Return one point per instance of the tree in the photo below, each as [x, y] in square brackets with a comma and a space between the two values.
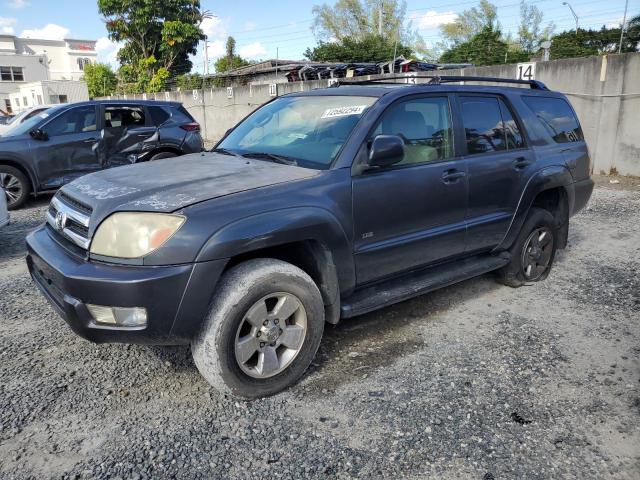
[471, 23]
[231, 60]
[583, 43]
[531, 33]
[100, 78]
[158, 36]
[358, 20]
[484, 48]
[371, 48]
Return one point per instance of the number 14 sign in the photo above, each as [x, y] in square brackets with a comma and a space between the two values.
[526, 71]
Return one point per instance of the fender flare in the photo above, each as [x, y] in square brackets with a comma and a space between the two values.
[553, 176]
[283, 226]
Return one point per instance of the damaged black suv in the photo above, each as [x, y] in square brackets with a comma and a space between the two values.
[320, 205]
[64, 142]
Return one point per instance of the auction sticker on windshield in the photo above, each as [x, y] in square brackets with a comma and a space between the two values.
[343, 111]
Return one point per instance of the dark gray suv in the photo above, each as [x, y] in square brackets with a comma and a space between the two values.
[319, 206]
[64, 142]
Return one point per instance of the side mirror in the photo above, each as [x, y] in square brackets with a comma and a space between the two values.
[39, 134]
[386, 150]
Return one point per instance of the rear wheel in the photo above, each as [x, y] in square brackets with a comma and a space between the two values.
[263, 329]
[534, 250]
[16, 186]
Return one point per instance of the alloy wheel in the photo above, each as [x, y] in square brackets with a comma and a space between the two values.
[537, 252]
[271, 335]
[12, 187]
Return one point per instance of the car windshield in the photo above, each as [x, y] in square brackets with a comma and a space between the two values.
[308, 131]
[31, 123]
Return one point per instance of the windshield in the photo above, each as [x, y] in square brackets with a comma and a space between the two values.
[308, 131]
[18, 128]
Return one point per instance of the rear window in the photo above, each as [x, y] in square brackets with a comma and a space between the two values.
[557, 117]
[180, 115]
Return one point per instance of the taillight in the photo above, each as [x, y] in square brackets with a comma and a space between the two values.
[191, 127]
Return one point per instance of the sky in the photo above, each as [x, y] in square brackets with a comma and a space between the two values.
[264, 29]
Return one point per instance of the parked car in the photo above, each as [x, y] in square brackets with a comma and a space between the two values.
[320, 205]
[4, 213]
[4, 119]
[58, 145]
[21, 117]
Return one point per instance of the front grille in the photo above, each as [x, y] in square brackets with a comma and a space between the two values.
[70, 218]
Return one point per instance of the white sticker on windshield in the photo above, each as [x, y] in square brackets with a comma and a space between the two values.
[343, 111]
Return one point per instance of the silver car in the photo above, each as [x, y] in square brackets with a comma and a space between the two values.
[4, 213]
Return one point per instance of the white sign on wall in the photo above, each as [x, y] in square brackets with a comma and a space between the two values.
[273, 90]
[196, 95]
[331, 81]
[229, 92]
[526, 71]
[167, 96]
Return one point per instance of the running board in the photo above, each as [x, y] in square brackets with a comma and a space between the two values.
[419, 282]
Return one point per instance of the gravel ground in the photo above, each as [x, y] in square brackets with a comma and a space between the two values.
[473, 381]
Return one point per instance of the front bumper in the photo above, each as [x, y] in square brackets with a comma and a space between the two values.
[176, 297]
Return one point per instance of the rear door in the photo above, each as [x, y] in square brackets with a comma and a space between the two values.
[71, 149]
[128, 133]
[497, 155]
[411, 214]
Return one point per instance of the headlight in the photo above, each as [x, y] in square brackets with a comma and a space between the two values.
[134, 234]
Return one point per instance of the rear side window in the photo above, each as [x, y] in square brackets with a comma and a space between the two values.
[489, 125]
[123, 116]
[557, 117]
[159, 115]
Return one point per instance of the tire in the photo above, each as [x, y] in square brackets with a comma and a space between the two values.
[161, 155]
[526, 252]
[16, 186]
[219, 348]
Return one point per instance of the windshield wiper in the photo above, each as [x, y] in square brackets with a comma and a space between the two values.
[270, 156]
[224, 151]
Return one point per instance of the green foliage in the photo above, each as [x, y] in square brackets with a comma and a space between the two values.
[231, 60]
[100, 78]
[471, 23]
[145, 76]
[531, 33]
[584, 43]
[359, 20]
[484, 48]
[371, 48]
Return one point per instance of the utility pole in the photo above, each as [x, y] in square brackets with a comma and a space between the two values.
[277, 58]
[380, 17]
[624, 24]
[206, 55]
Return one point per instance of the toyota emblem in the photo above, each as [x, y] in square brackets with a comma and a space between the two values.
[61, 220]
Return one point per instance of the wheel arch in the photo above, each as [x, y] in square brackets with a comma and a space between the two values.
[549, 188]
[24, 169]
[309, 237]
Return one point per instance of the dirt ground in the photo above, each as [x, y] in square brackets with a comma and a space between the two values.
[474, 381]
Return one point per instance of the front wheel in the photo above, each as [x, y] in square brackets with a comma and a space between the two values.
[534, 250]
[16, 186]
[263, 329]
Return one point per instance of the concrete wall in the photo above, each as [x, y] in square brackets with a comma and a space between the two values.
[605, 92]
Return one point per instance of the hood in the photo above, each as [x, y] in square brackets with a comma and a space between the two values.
[170, 184]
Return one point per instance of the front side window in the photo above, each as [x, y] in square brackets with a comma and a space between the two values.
[424, 124]
[73, 121]
[309, 130]
[123, 116]
[557, 118]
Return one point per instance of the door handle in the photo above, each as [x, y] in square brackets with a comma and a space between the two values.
[452, 175]
[521, 163]
[90, 140]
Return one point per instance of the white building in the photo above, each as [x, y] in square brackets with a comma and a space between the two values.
[37, 62]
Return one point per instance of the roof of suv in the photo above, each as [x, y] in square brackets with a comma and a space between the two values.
[124, 102]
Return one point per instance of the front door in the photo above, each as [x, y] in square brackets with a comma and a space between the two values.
[412, 213]
[71, 147]
[128, 132]
[496, 157]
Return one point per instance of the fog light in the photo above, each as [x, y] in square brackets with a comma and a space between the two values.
[119, 316]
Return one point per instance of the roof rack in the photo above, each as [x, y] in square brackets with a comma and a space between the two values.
[440, 79]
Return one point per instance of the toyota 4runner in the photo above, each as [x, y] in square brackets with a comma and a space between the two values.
[318, 206]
